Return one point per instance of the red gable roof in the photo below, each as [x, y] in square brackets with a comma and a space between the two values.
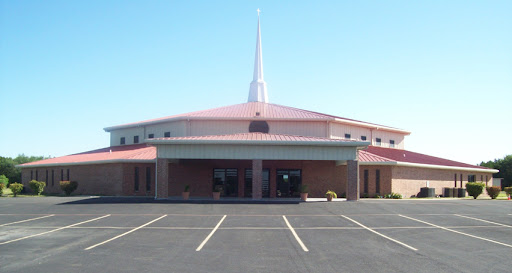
[256, 136]
[253, 110]
[397, 155]
[127, 153]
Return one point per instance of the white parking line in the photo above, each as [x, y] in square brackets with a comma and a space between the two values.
[211, 234]
[380, 234]
[455, 231]
[482, 220]
[22, 221]
[295, 235]
[53, 230]
[128, 232]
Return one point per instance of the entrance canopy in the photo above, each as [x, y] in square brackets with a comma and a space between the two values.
[257, 146]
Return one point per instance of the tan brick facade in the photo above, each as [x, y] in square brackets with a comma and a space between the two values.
[408, 180]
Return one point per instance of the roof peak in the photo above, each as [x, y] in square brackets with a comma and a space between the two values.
[258, 87]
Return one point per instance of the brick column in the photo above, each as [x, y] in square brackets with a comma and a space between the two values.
[352, 180]
[162, 176]
[241, 182]
[257, 178]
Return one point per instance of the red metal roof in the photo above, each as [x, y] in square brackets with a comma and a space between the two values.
[256, 137]
[380, 154]
[113, 154]
[252, 110]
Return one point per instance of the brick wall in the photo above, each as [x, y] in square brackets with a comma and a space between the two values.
[103, 179]
[408, 180]
[385, 180]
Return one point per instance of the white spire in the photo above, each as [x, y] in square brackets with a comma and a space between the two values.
[258, 89]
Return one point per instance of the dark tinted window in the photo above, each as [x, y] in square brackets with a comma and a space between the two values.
[258, 126]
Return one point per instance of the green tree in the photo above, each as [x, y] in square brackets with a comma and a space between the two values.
[4, 180]
[8, 166]
[505, 169]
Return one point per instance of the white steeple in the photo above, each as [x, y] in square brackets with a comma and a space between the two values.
[258, 89]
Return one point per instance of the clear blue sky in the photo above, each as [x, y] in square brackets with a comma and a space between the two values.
[440, 69]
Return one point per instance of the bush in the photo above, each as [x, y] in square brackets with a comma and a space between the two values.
[508, 190]
[393, 196]
[2, 188]
[4, 180]
[475, 188]
[16, 188]
[68, 186]
[493, 191]
[37, 186]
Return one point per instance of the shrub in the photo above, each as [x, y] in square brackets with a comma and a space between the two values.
[4, 180]
[68, 186]
[493, 191]
[475, 188]
[16, 188]
[508, 190]
[2, 188]
[37, 186]
[393, 196]
[187, 188]
[304, 188]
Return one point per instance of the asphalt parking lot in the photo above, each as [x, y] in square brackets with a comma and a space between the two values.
[59, 234]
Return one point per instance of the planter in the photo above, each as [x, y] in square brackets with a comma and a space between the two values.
[329, 197]
[216, 195]
[185, 195]
[304, 196]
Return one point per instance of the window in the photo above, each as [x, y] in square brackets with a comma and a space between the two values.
[482, 178]
[61, 174]
[455, 180]
[136, 179]
[53, 177]
[46, 180]
[258, 126]
[31, 175]
[378, 141]
[377, 181]
[167, 134]
[363, 138]
[136, 139]
[461, 180]
[67, 171]
[365, 181]
[471, 178]
[347, 136]
[392, 144]
[37, 176]
[123, 141]
[227, 180]
[148, 178]
[151, 136]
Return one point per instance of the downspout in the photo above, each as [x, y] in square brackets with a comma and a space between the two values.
[156, 173]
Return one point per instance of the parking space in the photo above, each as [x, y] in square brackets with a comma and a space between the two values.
[308, 242]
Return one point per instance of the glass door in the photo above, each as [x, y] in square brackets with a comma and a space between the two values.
[288, 183]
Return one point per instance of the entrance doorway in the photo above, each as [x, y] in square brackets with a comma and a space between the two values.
[288, 183]
[265, 175]
[227, 181]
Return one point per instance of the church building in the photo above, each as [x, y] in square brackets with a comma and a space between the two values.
[255, 150]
